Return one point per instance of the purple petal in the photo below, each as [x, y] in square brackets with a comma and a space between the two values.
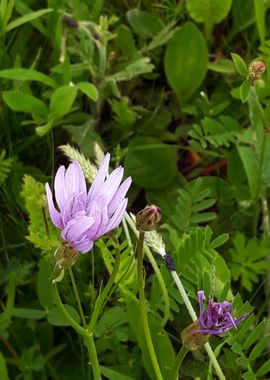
[60, 187]
[117, 217]
[112, 183]
[54, 214]
[74, 179]
[76, 228]
[84, 246]
[100, 178]
[119, 195]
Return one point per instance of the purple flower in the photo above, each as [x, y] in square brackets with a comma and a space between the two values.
[217, 318]
[85, 216]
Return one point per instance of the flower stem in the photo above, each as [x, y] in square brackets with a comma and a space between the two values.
[143, 311]
[214, 361]
[178, 361]
[88, 337]
[77, 296]
[102, 298]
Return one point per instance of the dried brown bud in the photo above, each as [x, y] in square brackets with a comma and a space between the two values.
[148, 218]
[256, 69]
[193, 339]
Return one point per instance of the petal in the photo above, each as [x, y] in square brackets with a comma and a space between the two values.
[60, 187]
[54, 214]
[119, 195]
[76, 228]
[112, 183]
[74, 179]
[84, 246]
[117, 217]
[100, 178]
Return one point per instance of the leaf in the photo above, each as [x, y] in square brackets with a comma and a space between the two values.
[28, 313]
[150, 163]
[42, 233]
[62, 100]
[27, 74]
[244, 91]
[223, 66]
[240, 65]
[145, 24]
[206, 10]
[23, 102]
[265, 368]
[56, 318]
[186, 60]
[44, 285]
[5, 166]
[260, 19]
[3, 368]
[89, 90]
[162, 37]
[250, 163]
[132, 70]
[190, 207]
[113, 374]
[27, 18]
[258, 349]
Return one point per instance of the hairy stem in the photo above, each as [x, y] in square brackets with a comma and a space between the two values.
[178, 361]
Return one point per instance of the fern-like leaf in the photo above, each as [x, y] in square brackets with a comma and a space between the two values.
[220, 132]
[5, 166]
[191, 205]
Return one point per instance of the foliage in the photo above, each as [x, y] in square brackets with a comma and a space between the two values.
[166, 88]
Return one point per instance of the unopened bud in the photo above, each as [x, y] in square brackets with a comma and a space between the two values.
[148, 218]
[65, 256]
[192, 338]
[256, 69]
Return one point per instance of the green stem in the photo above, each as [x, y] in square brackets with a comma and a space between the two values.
[77, 296]
[178, 361]
[91, 348]
[143, 311]
[102, 298]
[160, 279]
[88, 337]
[214, 361]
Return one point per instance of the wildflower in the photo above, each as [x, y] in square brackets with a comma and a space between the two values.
[148, 218]
[215, 320]
[85, 216]
[256, 70]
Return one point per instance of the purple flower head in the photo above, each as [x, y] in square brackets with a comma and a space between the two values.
[85, 216]
[217, 318]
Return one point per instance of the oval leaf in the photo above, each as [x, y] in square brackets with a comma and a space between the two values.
[62, 100]
[145, 24]
[23, 102]
[27, 74]
[89, 90]
[186, 61]
[205, 10]
[151, 163]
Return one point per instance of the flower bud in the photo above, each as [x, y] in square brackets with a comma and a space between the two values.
[192, 338]
[148, 218]
[65, 256]
[256, 69]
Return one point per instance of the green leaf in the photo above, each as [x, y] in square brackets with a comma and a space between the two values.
[244, 91]
[208, 10]
[223, 66]
[23, 102]
[186, 60]
[250, 163]
[62, 100]
[5, 166]
[258, 349]
[265, 368]
[44, 285]
[132, 70]
[56, 318]
[220, 240]
[112, 374]
[28, 313]
[89, 90]
[145, 24]
[260, 19]
[3, 368]
[240, 65]
[150, 163]
[26, 18]
[27, 74]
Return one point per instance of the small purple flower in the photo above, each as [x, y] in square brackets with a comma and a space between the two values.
[85, 216]
[217, 318]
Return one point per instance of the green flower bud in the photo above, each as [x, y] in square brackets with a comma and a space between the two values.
[148, 218]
